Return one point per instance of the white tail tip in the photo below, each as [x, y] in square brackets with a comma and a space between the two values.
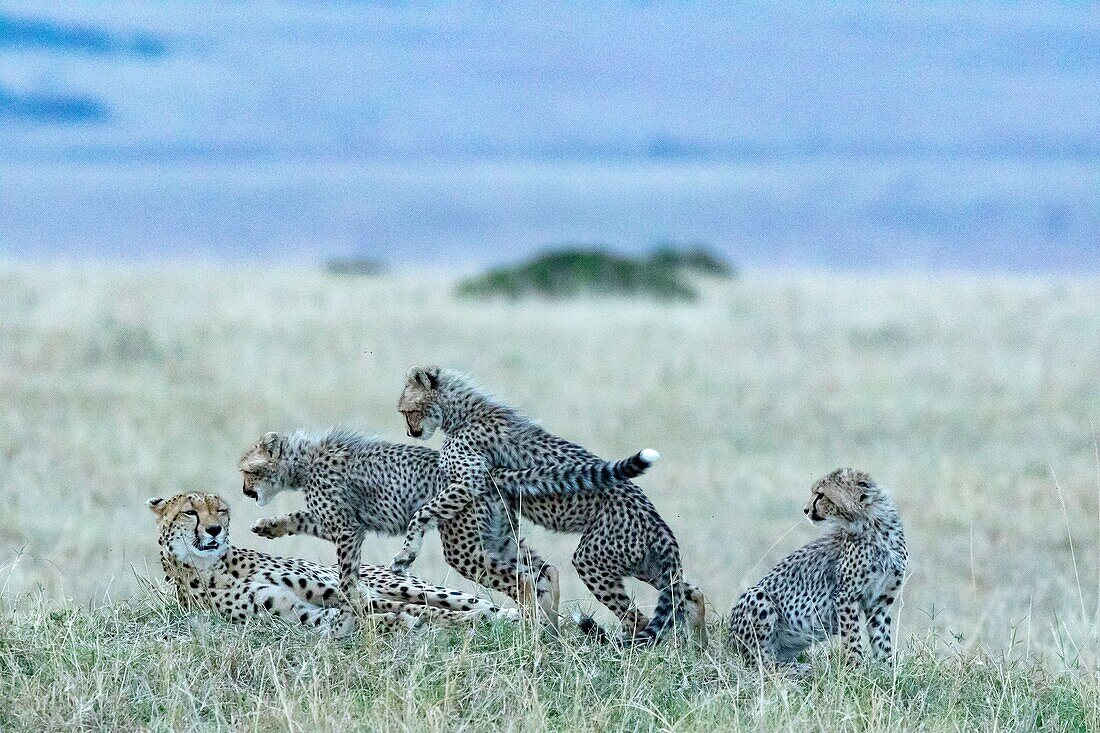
[649, 455]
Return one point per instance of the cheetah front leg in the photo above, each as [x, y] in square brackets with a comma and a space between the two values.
[349, 551]
[303, 523]
[847, 616]
[879, 623]
[442, 508]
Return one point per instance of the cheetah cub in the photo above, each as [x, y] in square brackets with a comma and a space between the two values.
[821, 589]
[622, 535]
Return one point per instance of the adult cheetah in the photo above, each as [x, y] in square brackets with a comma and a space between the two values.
[238, 584]
[622, 535]
[821, 589]
[354, 484]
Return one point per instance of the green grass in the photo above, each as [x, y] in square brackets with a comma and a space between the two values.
[974, 399]
[144, 665]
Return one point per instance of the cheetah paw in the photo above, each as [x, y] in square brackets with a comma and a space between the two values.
[798, 670]
[269, 528]
[510, 614]
[337, 624]
[401, 562]
[409, 621]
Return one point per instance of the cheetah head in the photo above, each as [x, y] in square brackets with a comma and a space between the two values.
[194, 528]
[846, 496]
[263, 470]
[420, 402]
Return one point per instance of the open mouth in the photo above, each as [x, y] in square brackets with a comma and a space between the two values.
[413, 432]
[207, 546]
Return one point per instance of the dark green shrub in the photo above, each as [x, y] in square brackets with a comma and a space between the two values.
[572, 272]
[581, 270]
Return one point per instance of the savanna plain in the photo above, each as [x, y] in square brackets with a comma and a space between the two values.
[976, 400]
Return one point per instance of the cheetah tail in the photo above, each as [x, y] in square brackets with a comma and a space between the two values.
[571, 478]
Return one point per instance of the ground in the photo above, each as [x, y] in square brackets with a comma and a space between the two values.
[976, 400]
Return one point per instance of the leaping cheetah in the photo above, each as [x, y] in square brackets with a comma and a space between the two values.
[621, 532]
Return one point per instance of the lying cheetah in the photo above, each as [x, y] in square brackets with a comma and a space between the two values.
[238, 584]
[621, 533]
[820, 590]
[353, 485]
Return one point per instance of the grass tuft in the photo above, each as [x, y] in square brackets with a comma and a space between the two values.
[145, 665]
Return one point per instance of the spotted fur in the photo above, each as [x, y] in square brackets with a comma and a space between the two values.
[822, 589]
[238, 584]
[354, 484]
[622, 535]
[561, 478]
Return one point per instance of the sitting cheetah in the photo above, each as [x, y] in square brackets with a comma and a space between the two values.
[238, 584]
[820, 590]
[621, 533]
[354, 484]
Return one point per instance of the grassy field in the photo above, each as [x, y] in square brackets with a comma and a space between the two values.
[977, 400]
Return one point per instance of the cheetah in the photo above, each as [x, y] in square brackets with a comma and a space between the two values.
[354, 484]
[239, 584]
[622, 535]
[820, 590]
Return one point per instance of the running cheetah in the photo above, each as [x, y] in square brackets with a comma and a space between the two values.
[820, 590]
[239, 584]
[355, 484]
[621, 532]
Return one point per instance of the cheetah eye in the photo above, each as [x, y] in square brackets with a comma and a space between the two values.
[190, 512]
[863, 484]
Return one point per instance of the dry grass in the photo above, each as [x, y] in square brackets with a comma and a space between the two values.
[975, 399]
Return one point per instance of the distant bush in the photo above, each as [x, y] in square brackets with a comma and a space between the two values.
[355, 266]
[694, 258]
[577, 271]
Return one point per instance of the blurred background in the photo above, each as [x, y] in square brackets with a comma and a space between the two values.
[843, 135]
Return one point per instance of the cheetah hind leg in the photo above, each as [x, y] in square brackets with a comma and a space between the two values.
[695, 611]
[607, 586]
[548, 595]
[752, 629]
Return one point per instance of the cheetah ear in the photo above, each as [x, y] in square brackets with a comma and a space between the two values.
[426, 377]
[273, 444]
[157, 505]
